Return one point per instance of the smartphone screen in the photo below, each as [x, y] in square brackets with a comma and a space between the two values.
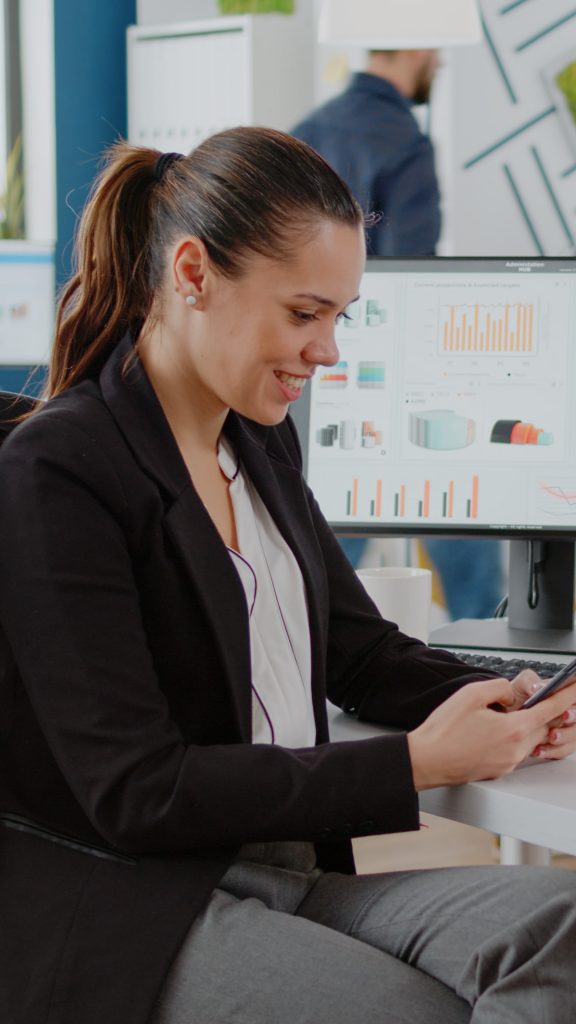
[567, 674]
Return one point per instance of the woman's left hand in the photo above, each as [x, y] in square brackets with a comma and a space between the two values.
[561, 740]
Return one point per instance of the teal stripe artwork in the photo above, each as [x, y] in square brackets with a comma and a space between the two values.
[523, 210]
[499, 63]
[552, 194]
[508, 138]
[518, 135]
[545, 32]
[513, 6]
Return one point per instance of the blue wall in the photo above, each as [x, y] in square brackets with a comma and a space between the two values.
[90, 110]
[90, 101]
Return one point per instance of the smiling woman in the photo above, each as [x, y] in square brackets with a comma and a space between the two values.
[175, 612]
[269, 271]
[272, 333]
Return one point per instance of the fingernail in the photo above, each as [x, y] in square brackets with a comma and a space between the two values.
[570, 715]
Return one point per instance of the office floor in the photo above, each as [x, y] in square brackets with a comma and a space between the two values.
[439, 843]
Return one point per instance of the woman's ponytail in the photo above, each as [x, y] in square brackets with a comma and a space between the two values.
[110, 290]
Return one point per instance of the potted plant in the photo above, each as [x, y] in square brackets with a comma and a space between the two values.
[256, 6]
[12, 199]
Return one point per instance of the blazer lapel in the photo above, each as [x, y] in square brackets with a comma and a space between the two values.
[133, 403]
[220, 590]
[139, 416]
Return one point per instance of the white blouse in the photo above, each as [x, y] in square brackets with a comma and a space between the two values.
[279, 631]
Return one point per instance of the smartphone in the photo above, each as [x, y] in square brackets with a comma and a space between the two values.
[567, 674]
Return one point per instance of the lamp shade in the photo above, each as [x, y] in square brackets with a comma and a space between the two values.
[399, 24]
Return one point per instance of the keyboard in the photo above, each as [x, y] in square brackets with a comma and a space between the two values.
[508, 668]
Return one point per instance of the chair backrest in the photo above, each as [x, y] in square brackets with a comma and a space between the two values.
[11, 407]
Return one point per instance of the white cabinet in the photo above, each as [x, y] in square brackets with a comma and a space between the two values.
[191, 79]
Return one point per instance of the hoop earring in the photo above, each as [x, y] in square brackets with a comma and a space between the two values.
[191, 300]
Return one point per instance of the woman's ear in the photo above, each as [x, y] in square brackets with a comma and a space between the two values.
[189, 270]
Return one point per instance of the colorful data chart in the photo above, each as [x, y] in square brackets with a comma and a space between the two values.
[346, 433]
[411, 502]
[371, 375]
[424, 502]
[441, 430]
[507, 329]
[517, 432]
[342, 435]
[335, 377]
[376, 315]
[327, 436]
[370, 437]
[558, 500]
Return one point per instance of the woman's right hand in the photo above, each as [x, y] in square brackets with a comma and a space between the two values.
[465, 739]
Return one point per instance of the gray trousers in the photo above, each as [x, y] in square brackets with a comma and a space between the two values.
[282, 943]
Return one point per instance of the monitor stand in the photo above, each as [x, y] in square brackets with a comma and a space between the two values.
[540, 605]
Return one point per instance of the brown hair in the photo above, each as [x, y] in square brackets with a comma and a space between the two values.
[244, 191]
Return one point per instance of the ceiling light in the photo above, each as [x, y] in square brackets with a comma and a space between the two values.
[399, 24]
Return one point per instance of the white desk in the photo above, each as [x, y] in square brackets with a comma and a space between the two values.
[534, 805]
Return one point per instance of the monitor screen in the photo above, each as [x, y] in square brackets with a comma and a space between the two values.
[450, 409]
[26, 302]
[451, 412]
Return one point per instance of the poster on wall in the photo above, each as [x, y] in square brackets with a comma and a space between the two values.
[26, 302]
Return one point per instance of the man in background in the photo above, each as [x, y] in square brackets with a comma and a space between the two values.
[370, 135]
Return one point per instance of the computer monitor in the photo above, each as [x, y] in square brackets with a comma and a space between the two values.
[451, 413]
[26, 314]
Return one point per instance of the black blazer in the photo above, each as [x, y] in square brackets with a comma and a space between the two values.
[127, 775]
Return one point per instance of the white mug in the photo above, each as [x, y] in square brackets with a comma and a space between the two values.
[402, 595]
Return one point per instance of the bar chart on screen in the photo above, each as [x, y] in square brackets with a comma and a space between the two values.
[454, 325]
[503, 329]
[367, 496]
[446, 500]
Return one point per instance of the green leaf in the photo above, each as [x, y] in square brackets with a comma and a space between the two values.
[12, 200]
[256, 6]
[566, 82]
